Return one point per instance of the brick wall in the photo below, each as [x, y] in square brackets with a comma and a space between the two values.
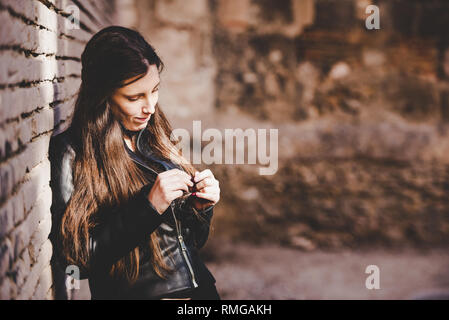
[40, 69]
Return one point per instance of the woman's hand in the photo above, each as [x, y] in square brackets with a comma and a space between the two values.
[168, 186]
[207, 190]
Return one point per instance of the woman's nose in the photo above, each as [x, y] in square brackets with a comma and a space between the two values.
[150, 105]
[148, 108]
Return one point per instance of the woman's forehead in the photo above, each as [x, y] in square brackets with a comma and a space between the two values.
[142, 84]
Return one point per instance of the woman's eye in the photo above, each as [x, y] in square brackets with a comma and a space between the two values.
[133, 99]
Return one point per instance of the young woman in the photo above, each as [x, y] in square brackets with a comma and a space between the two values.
[128, 210]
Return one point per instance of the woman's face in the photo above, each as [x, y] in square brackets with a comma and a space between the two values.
[134, 103]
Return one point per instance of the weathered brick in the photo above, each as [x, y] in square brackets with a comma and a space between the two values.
[43, 121]
[17, 208]
[38, 181]
[18, 101]
[6, 219]
[35, 210]
[43, 16]
[68, 67]
[39, 80]
[43, 229]
[19, 133]
[5, 289]
[14, 171]
[21, 269]
[8, 179]
[50, 295]
[64, 110]
[44, 284]
[34, 11]
[64, 5]
[20, 68]
[70, 47]
[29, 37]
[6, 250]
[26, 291]
[95, 11]
[17, 68]
[13, 289]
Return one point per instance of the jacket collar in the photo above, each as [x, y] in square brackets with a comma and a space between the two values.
[142, 144]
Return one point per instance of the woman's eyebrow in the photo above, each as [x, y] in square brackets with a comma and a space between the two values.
[141, 93]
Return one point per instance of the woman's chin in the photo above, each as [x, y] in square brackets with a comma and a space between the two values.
[140, 125]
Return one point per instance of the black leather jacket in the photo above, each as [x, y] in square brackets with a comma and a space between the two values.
[121, 229]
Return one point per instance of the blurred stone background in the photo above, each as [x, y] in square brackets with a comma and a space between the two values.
[362, 114]
[363, 135]
[362, 118]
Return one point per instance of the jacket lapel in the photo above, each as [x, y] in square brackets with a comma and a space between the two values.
[143, 146]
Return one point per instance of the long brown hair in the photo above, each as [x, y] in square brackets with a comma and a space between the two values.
[103, 172]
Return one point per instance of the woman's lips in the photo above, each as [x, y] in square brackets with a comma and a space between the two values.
[142, 119]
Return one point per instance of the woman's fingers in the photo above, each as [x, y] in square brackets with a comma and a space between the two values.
[214, 197]
[203, 174]
[176, 182]
[180, 185]
[205, 178]
[207, 182]
[179, 178]
[185, 179]
[176, 194]
[177, 174]
[211, 189]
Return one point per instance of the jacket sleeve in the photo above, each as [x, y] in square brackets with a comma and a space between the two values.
[199, 226]
[119, 229]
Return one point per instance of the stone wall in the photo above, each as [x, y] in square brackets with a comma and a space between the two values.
[40, 70]
[362, 114]
[181, 33]
[278, 75]
[362, 118]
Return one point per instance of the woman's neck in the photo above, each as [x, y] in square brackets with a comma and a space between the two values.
[129, 137]
[130, 142]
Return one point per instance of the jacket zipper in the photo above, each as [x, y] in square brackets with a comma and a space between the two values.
[183, 247]
[178, 232]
